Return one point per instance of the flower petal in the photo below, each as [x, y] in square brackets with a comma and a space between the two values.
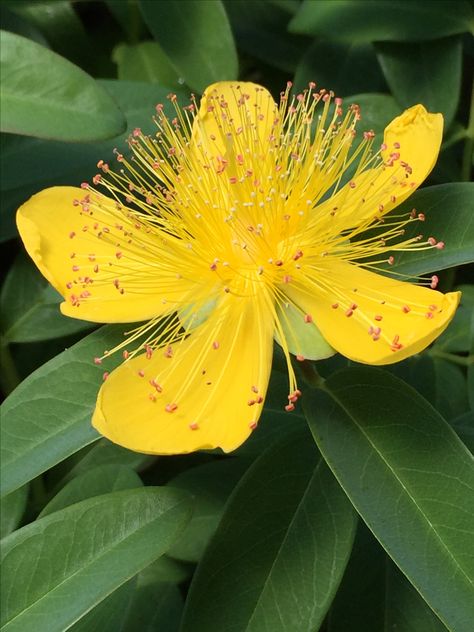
[415, 137]
[246, 104]
[204, 392]
[107, 268]
[371, 318]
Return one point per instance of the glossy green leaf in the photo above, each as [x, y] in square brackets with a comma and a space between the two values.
[425, 72]
[439, 381]
[110, 614]
[405, 609]
[99, 480]
[449, 218]
[156, 605]
[377, 111]
[451, 381]
[47, 417]
[12, 508]
[409, 477]
[29, 307]
[280, 549]
[210, 485]
[147, 62]
[261, 31]
[366, 21]
[76, 162]
[67, 103]
[343, 68]
[464, 428]
[72, 163]
[60, 24]
[71, 560]
[197, 38]
[459, 337]
[104, 452]
[13, 23]
[128, 15]
[359, 604]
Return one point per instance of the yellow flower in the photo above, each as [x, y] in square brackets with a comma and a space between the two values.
[229, 228]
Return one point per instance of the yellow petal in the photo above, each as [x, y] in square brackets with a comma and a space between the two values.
[370, 318]
[416, 137]
[247, 104]
[106, 271]
[212, 387]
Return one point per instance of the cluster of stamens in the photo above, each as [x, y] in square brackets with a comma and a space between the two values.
[247, 209]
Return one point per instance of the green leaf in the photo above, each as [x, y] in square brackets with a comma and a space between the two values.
[425, 72]
[363, 21]
[210, 485]
[13, 23]
[460, 333]
[71, 163]
[359, 604]
[377, 111]
[110, 614]
[59, 23]
[12, 508]
[30, 307]
[440, 382]
[261, 31]
[47, 417]
[409, 477]
[145, 61]
[104, 452]
[464, 428]
[405, 609]
[67, 103]
[156, 605]
[285, 537]
[343, 68]
[196, 37]
[451, 382]
[21, 155]
[449, 218]
[95, 482]
[68, 562]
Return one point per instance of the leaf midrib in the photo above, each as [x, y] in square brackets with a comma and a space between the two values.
[87, 566]
[396, 477]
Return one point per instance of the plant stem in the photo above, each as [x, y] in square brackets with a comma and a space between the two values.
[311, 375]
[451, 357]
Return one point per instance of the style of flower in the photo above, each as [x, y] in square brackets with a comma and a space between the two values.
[238, 223]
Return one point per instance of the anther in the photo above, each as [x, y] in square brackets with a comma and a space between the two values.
[289, 408]
[308, 318]
[405, 309]
[215, 344]
[434, 282]
[105, 375]
[194, 426]
[378, 317]
[141, 373]
[170, 408]
[97, 361]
